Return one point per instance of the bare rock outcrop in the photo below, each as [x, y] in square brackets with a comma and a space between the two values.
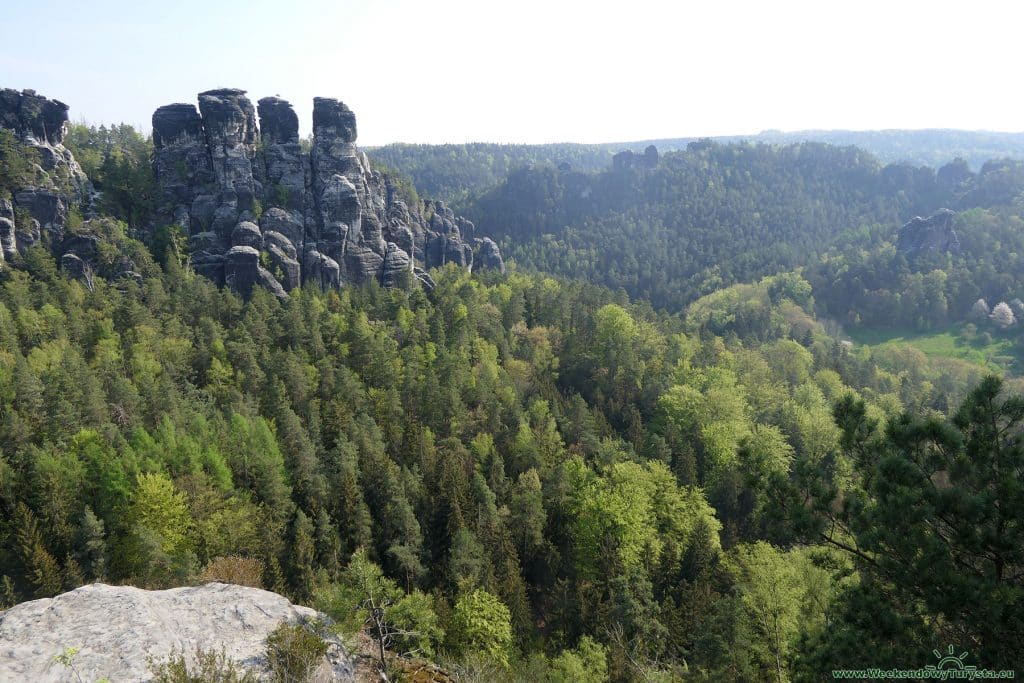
[320, 215]
[923, 235]
[42, 206]
[118, 629]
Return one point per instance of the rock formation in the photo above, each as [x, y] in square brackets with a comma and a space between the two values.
[623, 160]
[39, 210]
[260, 209]
[627, 159]
[119, 628]
[935, 233]
[651, 156]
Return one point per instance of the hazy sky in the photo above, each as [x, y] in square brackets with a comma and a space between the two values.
[535, 71]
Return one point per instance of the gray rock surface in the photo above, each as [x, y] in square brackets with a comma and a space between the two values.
[31, 114]
[119, 628]
[242, 269]
[488, 255]
[397, 266]
[935, 233]
[230, 174]
[230, 183]
[8, 239]
[247, 234]
[59, 187]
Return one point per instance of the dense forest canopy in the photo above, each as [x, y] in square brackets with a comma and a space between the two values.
[603, 474]
[656, 461]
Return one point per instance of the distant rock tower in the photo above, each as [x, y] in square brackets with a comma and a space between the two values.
[935, 233]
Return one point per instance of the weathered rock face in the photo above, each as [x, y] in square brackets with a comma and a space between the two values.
[8, 241]
[935, 233]
[59, 185]
[33, 115]
[321, 216]
[488, 255]
[118, 628]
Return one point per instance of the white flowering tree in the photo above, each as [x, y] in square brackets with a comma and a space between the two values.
[1003, 316]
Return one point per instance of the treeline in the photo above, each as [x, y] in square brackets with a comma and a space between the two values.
[540, 477]
[458, 173]
[705, 218]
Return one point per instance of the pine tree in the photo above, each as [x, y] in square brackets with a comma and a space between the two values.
[301, 558]
[40, 567]
[92, 546]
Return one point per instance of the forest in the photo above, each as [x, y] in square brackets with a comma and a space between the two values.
[647, 452]
[457, 173]
[716, 215]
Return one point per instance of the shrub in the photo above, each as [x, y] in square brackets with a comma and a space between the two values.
[209, 667]
[241, 571]
[293, 652]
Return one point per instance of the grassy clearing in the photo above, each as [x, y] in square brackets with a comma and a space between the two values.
[995, 351]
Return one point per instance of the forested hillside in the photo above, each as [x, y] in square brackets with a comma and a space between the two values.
[714, 215]
[584, 477]
[455, 173]
[676, 471]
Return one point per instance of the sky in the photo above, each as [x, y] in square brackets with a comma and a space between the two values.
[535, 71]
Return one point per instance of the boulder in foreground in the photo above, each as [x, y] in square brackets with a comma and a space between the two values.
[119, 629]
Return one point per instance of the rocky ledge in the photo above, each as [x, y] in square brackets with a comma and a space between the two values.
[118, 630]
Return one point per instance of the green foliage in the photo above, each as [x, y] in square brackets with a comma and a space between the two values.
[169, 245]
[399, 183]
[157, 506]
[294, 652]
[17, 163]
[482, 624]
[364, 598]
[507, 464]
[587, 662]
[636, 509]
[202, 666]
[775, 593]
[929, 494]
[117, 161]
[997, 353]
[40, 567]
[158, 546]
[706, 217]
[712, 216]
